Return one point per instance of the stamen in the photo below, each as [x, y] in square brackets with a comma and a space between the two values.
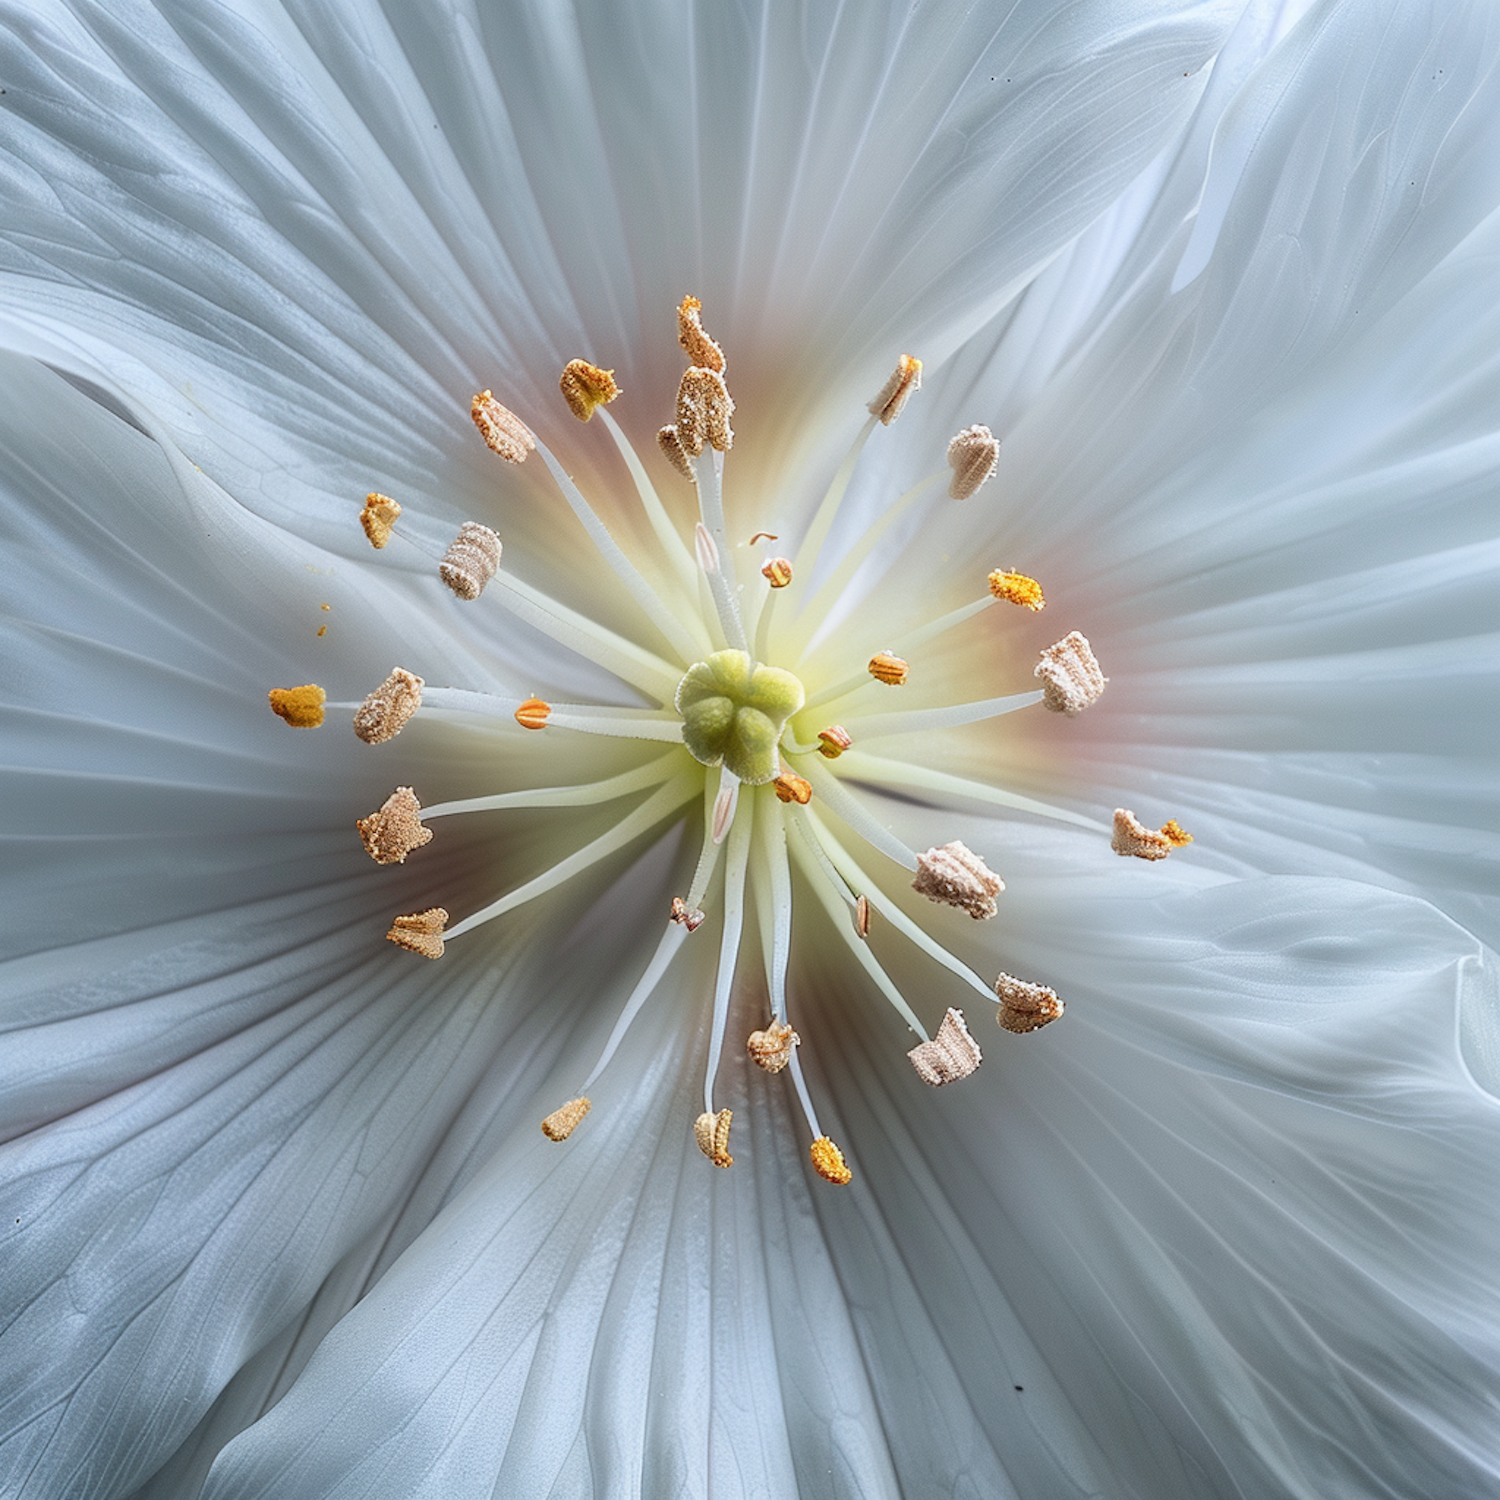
[394, 829]
[828, 1161]
[711, 1131]
[1017, 588]
[773, 900]
[615, 723]
[842, 802]
[972, 455]
[905, 380]
[704, 407]
[925, 720]
[777, 572]
[889, 669]
[701, 350]
[378, 517]
[1132, 837]
[666, 950]
[790, 787]
[736, 866]
[585, 387]
[690, 917]
[952, 1054]
[709, 479]
[955, 876]
[587, 794]
[835, 740]
[534, 713]
[771, 1049]
[1071, 679]
[862, 915]
[301, 707]
[675, 454]
[502, 430]
[565, 1119]
[725, 803]
[1025, 1007]
[421, 931]
[668, 541]
[385, 712]
[471, 560]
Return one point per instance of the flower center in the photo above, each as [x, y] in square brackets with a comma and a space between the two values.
[733, 714]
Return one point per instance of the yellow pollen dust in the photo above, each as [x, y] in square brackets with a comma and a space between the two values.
[565, 1119]
[585, 386]
[534, 713]
[834, 741]
[829, 1163]
[905, 380]
[378, 517]
[1017, 588]
[1025, 1007]
[386, 711]
[395, 828]
[502, 430]
[777, 572]
[1131, 836]
[701, 350]
[1175, 833]
[301, 707]
[889, 669]
[711, 1131]
[420, 931]
[790, 787]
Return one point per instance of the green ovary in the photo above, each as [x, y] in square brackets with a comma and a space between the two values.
[733, 712]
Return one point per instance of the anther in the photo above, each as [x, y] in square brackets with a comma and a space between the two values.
[1025, 1007]
[905, 379]
[862, 916]
[565, 1119]
[771, 1049]
[1017, 588]
[502, 430]
[704, 408]
[395, 829]
[706, 548]
[952, 1054]
[828, 1162]
[1133, 837]
[724, 806]
[301, 707]
[834, 741]
[420, 931]
[585, 386]
[956, 876]
[712, 1134]
[384, 714]
[689, 916]
[534, 713]
[790, 787]
[889, 669]
[701, 350]
[777, 572]
[378, 517]
[764, 536]
[471, 560]
[972, 455]
[675, 454]
[1070, 675]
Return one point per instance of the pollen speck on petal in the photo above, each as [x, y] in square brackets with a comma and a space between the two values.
[385, 712]
[395, 828]
[420, 932]
[301, 707]
[955, 876]
[952, 1054]
[1025, 1007]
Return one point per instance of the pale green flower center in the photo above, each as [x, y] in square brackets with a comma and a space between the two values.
[733, 714]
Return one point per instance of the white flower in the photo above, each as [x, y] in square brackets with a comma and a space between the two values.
[275, 1201]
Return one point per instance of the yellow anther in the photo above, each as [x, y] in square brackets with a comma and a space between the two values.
[712, 1134]
[1070, 675]
[828, 1162]
[1132, 837]
[378, 517]
[771, 1049]
[862, 916]
[889, 669]
[952, 1054]
[790, 787]
[585, 386]
[689, 916]
[471, 560]
[384, 714]
[955, 876]
[420, 931]
[777, 572]
[1025, 1007]
[565, 1119]
[972, 455]
[834, 741]
[534, 713]
[301, 707]
[502, 430]
[701, 350]
[395, 829]
[675, 454]
[905, 379]
[1017, 588]
[704, 408]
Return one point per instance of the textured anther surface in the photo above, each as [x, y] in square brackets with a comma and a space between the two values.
[701, 350]
[585, 386]
[301, 707]
[502, 430]
[385, 712]
[887, 668]
[711, 1131]
[704, 408]
[771, 1049]
[1025, 1007]
[395, 828]
[972, 455]
[952, 1054]
[421, 931]
[1070, 675]
[904, 381]
[828, 1162]
[564, 1120]
[1131, 836]
[379, 515]
[954, 875]
[472, 558]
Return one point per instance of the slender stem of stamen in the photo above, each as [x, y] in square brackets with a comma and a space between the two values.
[811, 546]
[833, 794]
[666, 950]
[854, 683]
[667, 535]
[794, 1066]
[911, 639]
[735, 863]
[763, 625]
[905, 777]
[708, 856]
[672, 629]
[724, 804]
[774, 893]
[921, 720]
[656, 807]
[653, 773]
[722, 581]
[619, 723]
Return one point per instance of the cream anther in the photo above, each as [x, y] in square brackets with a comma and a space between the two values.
[887, 668]
[711, 1131]
[701, 350]
[972, 455]
[690, 917]
[955, 876]
[1025, 1007]
[301, 707]
[1070, 675]
[565, 1119]
[675, 454]
[952, 1054]
[704, 408]
[394, 829]
[771, 1049]
[378, 517]
[1133, 837]
[384, 714]
[502, 430]
[905, 380]
[585, 386]
[471, 560]
[420, 932]
[828, 1162]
